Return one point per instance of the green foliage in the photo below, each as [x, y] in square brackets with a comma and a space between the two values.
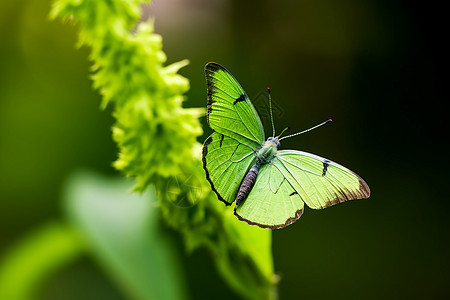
[119, 229]
[157, 139]
[36, 257]
[147, 96]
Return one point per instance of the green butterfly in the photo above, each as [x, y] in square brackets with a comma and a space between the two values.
[270, 186]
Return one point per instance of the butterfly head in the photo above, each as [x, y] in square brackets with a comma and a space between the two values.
[274, 140]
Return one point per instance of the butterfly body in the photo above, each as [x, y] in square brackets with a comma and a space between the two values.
[247, 183]
[269, 186]
[263, 156]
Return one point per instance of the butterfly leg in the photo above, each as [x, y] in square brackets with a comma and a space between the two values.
[236, 161]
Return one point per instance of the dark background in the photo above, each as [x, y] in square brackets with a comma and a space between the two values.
[375, 67]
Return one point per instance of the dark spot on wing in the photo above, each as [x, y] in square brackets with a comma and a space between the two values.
[326, 163]
[221, 140]
[210, 88]
[241, 98]
[213, 67]
[293, 193]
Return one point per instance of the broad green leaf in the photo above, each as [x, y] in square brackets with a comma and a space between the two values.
[256, 243]
[35, 258]
[123, 232]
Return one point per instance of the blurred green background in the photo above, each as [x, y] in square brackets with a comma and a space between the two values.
[375, 67]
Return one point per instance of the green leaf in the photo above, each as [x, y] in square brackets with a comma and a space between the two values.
[123, 232]
[250, 268]
[35, 258]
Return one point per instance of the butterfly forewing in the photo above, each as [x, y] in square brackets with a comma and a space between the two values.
[230, 111]
[228, 153]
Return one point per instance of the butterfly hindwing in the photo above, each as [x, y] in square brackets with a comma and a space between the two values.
[273, 202]
[320, 182]
[226, 161]
[230, 111]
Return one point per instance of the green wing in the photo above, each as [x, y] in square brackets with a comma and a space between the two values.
[230, 111]
[319, 181]
[226, 161]
[229, 152]
[272, 203]
[293, 178]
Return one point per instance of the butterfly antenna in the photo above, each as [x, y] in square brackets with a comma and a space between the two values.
[304, 131]
[270, 109]
[283, 131]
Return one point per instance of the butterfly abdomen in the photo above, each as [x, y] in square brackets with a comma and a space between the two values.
[247, 184]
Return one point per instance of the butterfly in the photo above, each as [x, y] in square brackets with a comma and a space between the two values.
[269, 186]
